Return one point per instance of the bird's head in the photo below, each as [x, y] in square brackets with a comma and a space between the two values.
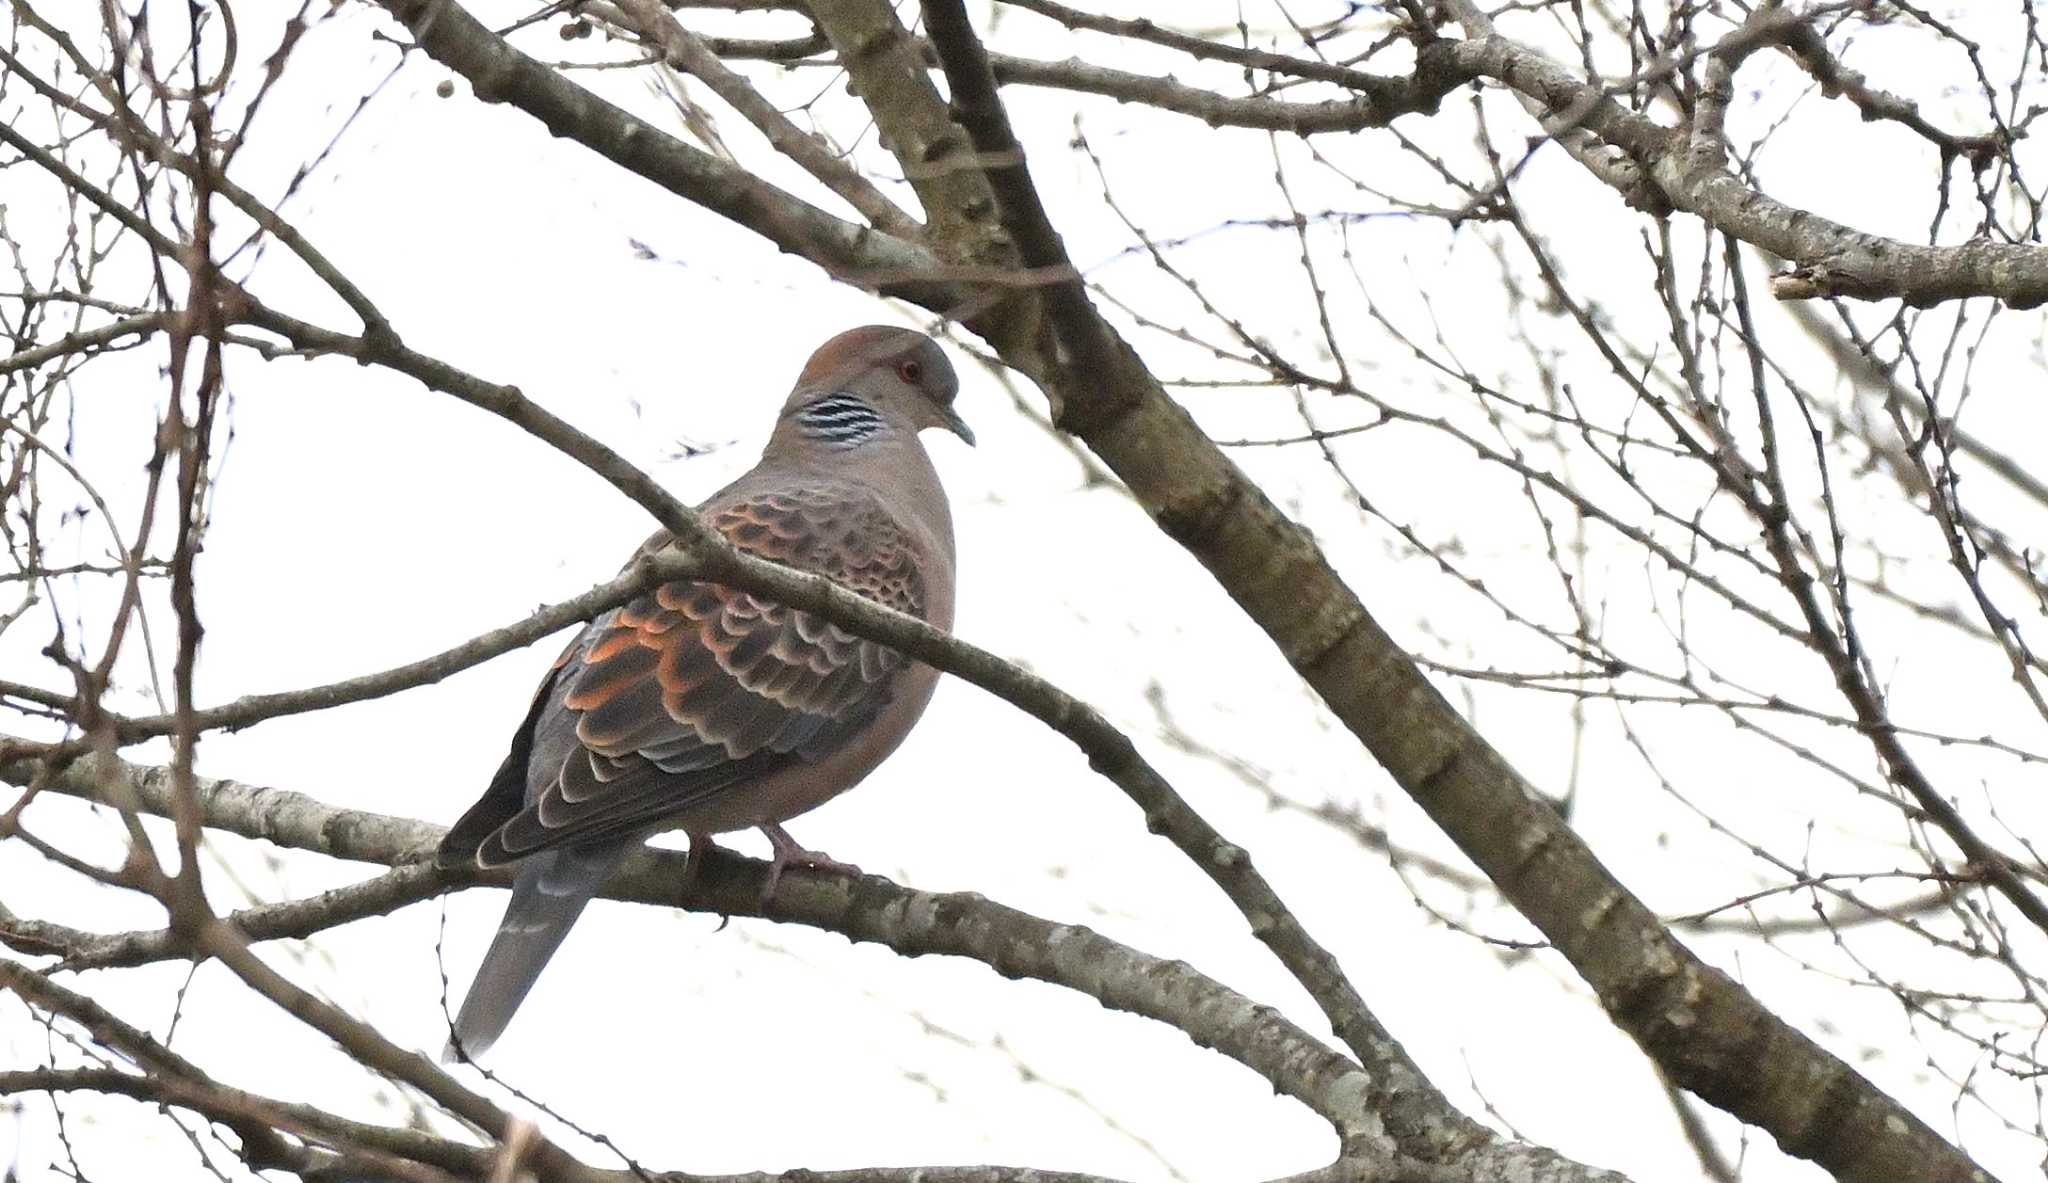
[869, 382]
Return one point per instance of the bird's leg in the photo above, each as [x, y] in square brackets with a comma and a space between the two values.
[701, 847]
[787, 852]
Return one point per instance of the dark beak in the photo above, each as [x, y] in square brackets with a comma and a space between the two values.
[955, 424]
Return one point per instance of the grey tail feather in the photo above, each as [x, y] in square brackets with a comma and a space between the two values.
[548, 895]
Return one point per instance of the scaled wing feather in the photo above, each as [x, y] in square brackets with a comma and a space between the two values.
[694, 688]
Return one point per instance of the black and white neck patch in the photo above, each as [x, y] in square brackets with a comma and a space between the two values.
[842, 419]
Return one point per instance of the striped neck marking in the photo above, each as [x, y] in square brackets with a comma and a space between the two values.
[841, 419]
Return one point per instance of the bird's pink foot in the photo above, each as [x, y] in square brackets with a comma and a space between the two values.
[788, 853]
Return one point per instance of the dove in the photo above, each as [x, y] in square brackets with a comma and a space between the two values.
[705, 709]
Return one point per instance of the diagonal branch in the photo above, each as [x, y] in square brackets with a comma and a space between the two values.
[887, 70]
[1707, 1032]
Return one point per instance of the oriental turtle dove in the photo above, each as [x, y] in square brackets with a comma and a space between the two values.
[705, 709]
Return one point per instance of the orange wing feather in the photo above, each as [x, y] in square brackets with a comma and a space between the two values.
[695, 688]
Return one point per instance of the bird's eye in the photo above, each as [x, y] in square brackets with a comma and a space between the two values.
[910, 371]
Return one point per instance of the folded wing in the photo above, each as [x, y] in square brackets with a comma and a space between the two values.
[695, 689]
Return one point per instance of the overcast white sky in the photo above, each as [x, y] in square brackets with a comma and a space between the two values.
[362, 522]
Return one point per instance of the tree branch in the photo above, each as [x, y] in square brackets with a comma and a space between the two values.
[687, 52]
[1828, 258]
[1708, 1033]
[852, 253]
[866, 909]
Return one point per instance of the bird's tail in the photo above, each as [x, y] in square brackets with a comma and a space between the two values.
[548, 895]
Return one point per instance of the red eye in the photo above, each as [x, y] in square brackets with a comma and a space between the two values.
[910, 371]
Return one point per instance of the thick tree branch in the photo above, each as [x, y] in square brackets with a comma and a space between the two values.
[1708, 1033]
[871, 909]
[866, 909]
[886, 68]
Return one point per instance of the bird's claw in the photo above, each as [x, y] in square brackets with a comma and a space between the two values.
[788, 853]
